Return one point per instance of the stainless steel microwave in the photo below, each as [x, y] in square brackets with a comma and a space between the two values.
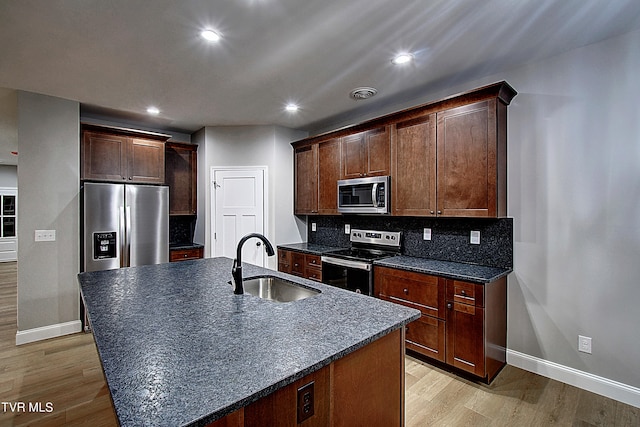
[364, 195]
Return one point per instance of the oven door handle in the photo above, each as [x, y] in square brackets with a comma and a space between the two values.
[347, 263]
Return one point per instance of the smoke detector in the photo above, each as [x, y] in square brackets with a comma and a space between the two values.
[363, 93]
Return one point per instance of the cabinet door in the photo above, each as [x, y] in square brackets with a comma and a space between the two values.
[146, 161]
[284, 261]
[298, 264]
[466, 145]
[465, 337]
[104, 156]
[328, 176]
[353, 156]
[413, 167]
[426, 336]
[181, 177]
[306, 180]
[377, 152]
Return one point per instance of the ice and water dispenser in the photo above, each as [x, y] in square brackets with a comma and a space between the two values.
[104, 245]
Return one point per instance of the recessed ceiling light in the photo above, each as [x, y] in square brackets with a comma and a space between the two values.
[153, 110]
[402, 58]
[292, 108]
[210, 35]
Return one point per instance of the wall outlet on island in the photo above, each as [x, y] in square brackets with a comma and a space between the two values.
[584, 344]
[347, 229]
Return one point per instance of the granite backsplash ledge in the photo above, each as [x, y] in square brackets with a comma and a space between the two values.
[449, 236]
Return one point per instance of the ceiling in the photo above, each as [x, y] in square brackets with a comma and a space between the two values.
[117, 57]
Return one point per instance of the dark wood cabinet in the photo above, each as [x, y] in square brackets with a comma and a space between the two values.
[185, 254]
[471, 160]
[300, 264]
[306, 180]
[413, 167]
[328, 176]
[317, 171]
[366, 153]
[463, 324]
[181, 173]
[112, 155]
[423, 292]
[446, 158]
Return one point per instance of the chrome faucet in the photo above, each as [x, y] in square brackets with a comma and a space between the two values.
[236, 271]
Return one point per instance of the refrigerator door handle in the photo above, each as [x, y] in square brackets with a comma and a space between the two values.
[123, 260]
[128, 234]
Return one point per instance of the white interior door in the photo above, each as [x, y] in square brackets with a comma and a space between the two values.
[238, 210]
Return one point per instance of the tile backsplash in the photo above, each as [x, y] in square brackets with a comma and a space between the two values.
[181, 228]
[450, 237]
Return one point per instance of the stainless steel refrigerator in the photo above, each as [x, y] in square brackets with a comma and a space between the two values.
[124, 225]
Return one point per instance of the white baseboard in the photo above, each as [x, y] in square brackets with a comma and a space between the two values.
[618, 391]
[46, 332]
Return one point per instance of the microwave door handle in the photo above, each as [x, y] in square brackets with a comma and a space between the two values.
[374, 195]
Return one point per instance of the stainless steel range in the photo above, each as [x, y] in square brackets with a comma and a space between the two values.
[352, 268]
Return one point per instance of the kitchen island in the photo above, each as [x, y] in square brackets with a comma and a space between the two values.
[179, 348]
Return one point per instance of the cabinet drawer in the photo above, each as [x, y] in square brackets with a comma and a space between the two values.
[284, 257]
[297, 263]
[185, 254]
[426, 336]
[416, 290]
[312, 261]
[465, 293]
[314, 274]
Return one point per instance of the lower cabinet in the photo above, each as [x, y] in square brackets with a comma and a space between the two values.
[364, 388]
[463, 324]
[185, 254]
[300, 264]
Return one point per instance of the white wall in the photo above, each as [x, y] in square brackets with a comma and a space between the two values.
[574, 194]
[48, 177]
[251, 146]
[9, 176]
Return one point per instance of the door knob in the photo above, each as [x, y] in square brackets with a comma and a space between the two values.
[258, 244]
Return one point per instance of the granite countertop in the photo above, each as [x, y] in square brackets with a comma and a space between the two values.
[310, 248]
[179, 348]
[452, 270]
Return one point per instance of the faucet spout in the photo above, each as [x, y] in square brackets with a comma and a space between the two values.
[236, 271]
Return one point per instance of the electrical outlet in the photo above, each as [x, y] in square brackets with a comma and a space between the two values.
[45, 235]
[475, 237]
[426, 234]
[313, 226]
[584, 344]
[305, 402]
[347, 229]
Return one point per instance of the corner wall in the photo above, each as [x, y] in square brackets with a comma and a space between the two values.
[48, 177]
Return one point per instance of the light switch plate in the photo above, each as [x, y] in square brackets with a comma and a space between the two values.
[475, 237]
[45, 235]
[313, 226]
[347, 229]
[426, 234]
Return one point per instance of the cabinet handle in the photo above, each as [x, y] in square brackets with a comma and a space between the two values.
[463, 293]
[449, 305]
[432, 212]
[406, 291]
[439, 212]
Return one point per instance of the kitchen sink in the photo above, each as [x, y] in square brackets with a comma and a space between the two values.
[276, 289]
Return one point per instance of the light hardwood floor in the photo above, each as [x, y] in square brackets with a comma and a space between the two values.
[66, 371]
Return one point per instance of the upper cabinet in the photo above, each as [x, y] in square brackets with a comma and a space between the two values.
[471, 160]
[413, 167]
[181, 172]
[366, 153]
[446, 158]
[317, 171]
[113, 154]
